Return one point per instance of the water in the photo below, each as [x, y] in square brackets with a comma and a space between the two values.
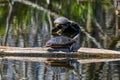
[22, 70]
[30, 26]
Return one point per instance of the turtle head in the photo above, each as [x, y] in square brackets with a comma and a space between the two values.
[60, 24]
[63, 26]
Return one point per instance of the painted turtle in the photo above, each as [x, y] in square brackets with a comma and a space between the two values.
[63, 43]
[60, 42]
[67, 34]
[65, 27]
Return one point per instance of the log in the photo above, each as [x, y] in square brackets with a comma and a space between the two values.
[83, 55]
[47, 52]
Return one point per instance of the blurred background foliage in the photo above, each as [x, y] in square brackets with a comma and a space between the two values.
[31, 21]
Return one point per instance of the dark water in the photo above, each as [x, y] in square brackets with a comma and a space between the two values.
[29, 25]
[21, 70]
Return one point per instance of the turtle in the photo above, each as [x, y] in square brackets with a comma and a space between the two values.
[60, 42]
[65, 27]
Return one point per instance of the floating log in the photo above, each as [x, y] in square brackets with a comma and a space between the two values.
[47, 52]
[83, 55]
[50, 52]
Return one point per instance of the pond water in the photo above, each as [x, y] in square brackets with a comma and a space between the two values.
[23, 70]
[29, 24]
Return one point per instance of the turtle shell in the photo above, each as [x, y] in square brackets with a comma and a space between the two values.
[60, 41]
[61, 20]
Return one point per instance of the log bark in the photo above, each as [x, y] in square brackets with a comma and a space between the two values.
[47, 51]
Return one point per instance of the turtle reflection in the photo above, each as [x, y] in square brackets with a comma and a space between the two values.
[62, 65]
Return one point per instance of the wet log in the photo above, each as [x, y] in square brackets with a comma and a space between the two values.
[82, 53]
[48, 55]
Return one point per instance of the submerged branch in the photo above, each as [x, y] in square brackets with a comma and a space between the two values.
[92, 38]
[98, 26]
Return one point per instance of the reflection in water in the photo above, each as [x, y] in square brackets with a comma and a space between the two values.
[20, 70]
